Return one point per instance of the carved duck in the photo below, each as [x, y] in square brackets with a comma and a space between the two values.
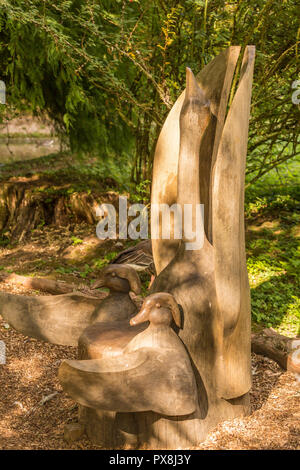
[153, 372]
[139, 257]
[160, 310]
[60, 319]
[120, 280]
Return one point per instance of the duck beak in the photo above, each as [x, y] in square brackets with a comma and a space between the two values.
[99, 283]
[141, 317]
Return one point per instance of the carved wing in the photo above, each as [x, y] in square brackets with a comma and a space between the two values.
[228, 234]
[141, 380]
[215, 80]
[228, 197]
[57, 319]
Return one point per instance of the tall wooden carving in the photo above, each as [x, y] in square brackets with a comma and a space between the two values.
[164, 377]
[210, 284]
[200, 158]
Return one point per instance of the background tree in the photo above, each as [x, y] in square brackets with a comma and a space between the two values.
[109, 71]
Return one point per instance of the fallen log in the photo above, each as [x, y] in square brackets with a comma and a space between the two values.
[281, 349]
[47, 285]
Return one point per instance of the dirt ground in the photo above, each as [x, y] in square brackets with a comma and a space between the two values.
[34, 409]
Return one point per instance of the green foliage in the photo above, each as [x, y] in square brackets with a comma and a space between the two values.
[86, 271]
[142, 192]
[65, 270]
[273, 253]
[4, 240]
[109, 71]
[83, 272]
[76, 240]
[104, 261]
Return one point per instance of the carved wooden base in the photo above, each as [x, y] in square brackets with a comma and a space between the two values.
[149, 430]
[108, 429]
[186, 432]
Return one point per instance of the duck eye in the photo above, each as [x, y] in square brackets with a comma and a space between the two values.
[157, 305]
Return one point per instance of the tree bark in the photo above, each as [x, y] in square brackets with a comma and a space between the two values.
[26, 205]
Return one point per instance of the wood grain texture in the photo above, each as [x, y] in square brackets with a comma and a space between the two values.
[61, 319]
[133, 381]
[153, 372]
[215, 80]
[58, 319]
[217, 338]
[231, 276]
[107, 339]
[108, 429]
[281, 349]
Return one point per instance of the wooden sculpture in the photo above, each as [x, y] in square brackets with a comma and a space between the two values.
[139, 257]
[61, 319]
[211, 284]
[162, 379]
[151, 372]
[200, 158]
[120, 279]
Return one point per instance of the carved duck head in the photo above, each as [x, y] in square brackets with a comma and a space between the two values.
[119, 278]
[159, 309]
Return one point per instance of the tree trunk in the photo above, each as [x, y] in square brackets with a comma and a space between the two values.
[142, 153]
[25, 206]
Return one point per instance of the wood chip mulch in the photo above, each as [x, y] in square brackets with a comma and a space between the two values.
[34, 409]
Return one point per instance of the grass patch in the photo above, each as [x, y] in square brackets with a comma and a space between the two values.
[76, 173]
[273, 256]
